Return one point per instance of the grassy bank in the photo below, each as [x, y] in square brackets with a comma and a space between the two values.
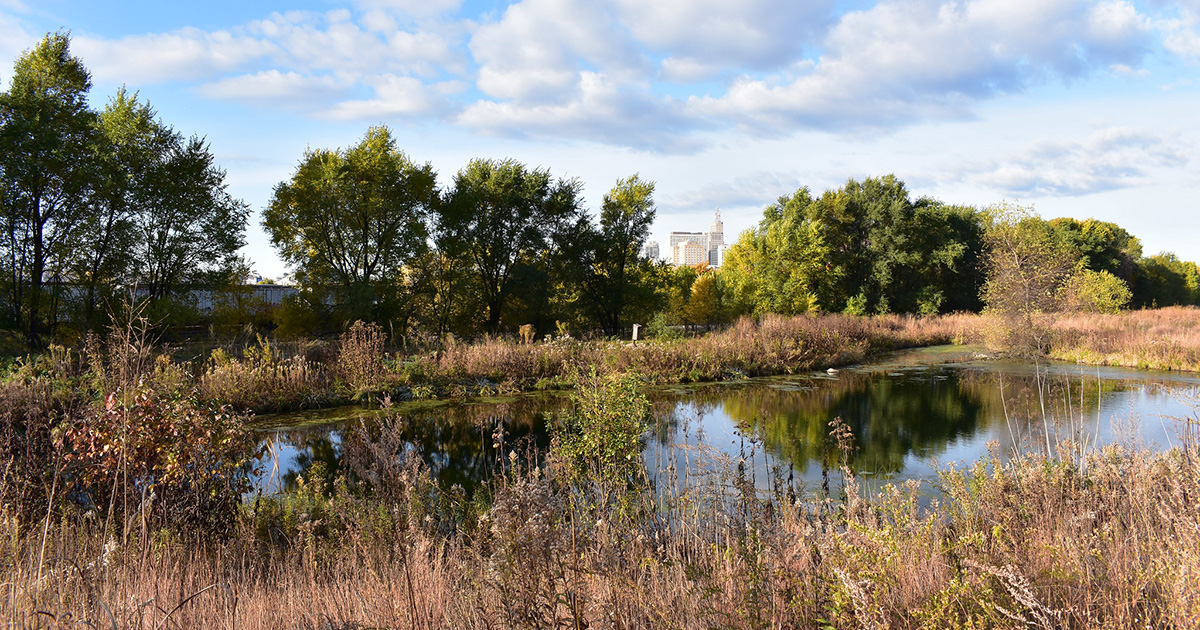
[584, 537]
[1160, 339]
[268, 376]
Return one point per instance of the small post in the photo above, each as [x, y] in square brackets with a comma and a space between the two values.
[636, 327]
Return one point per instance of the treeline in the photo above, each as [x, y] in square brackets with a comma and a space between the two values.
[867, 247]
[371, 237]
[96, 202]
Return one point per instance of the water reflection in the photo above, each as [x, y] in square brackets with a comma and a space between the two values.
[902, 416]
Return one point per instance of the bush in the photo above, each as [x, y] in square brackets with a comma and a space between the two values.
[165, 456]
[1095, 292]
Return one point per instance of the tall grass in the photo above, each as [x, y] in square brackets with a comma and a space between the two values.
[1105, 539]
[1164, 339]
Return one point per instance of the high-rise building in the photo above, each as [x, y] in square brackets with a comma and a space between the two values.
[716, 233]
[688, 253]
[650, 250]
[711, 244]
[683, 237]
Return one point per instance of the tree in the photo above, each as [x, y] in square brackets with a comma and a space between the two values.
[863, 248]
[1165, 280]
[610, 281]
[500, 216]
[48, 136]
[1027, 266]
[708, 305]
[1100, 245]
[130, 142]
[356, 219]
[189, 230]
[1095, 292]
[777, 266]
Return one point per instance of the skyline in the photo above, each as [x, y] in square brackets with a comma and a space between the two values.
[1083, 109]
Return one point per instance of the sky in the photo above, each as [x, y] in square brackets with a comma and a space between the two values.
[1088, 109]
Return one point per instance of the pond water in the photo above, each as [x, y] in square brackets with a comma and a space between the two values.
[909, 414]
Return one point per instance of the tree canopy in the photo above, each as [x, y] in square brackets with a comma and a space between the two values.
[356, 219]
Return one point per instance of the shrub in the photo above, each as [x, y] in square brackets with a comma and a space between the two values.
[163, 456]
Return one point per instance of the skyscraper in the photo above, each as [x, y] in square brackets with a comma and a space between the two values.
[716, 241]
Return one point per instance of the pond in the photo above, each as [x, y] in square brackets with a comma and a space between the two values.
[909, 415]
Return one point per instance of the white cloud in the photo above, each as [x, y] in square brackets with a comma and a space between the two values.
[412, 8]
[903, 61]
[754, 190]
[754, 34]
[536, 50]
[686, 70]
[1109, 159]
[600, 110]
[273, 86]
[1181, 33]
[185, 54]
[395, 96]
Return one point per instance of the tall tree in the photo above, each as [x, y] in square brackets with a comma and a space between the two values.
[501, 215]
[130, 143]
[609, 280]
[356, 219]
[190, 230]
[48, 136]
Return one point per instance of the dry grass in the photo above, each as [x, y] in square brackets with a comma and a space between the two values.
[1107, 540]
[1162, 339]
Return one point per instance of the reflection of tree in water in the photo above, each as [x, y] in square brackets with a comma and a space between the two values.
[454, 440]
[918, 413]
[891, 417]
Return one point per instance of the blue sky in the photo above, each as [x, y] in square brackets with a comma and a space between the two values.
[1078, 108]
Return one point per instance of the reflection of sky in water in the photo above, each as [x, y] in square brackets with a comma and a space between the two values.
[1116, 406]
[908, 421]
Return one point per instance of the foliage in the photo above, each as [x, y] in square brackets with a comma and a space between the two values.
[356, 219]
[47, 172]
[864, 248]
[95, 202]
[176, 461]
[1027, 266]
[1165, 280]
[503, 220]
[611, 281]
[600, 440]
[1095, 292]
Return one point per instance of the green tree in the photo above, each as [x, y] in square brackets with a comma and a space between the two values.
[708, 304]
[48, 136]
[610, 279]
[1095, 292]
[777, 266]
[356, 219]
[1100, 245]
[500, 216]
[188, 233]
[863, 248]
[1027, 266]
[131, 142]
[1165, 280]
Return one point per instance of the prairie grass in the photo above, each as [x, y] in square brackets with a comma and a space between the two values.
[1162, 339]
[1105, 539]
